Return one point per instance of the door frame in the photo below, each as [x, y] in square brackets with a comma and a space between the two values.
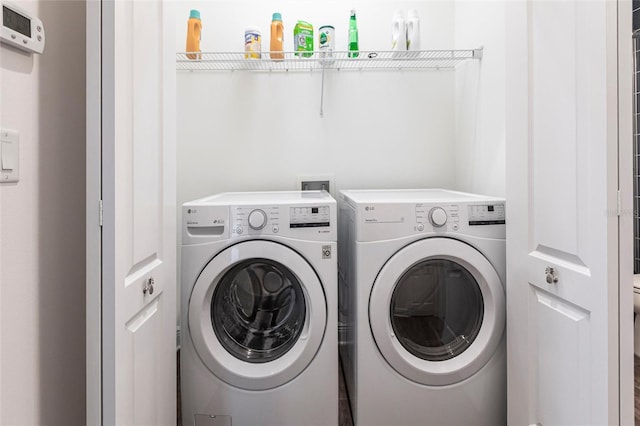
[626, 212]
[94, 213]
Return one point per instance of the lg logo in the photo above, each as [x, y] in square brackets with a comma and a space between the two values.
[369, 208]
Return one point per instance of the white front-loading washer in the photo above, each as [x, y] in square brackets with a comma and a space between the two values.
[422, 295]
[259, 309]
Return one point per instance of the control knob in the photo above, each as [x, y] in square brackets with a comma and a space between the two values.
[257, 219]
[438, 216]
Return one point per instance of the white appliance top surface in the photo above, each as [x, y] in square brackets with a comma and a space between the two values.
[264, 197]
[413, 196]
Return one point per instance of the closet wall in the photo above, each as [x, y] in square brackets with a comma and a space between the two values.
[241, 131]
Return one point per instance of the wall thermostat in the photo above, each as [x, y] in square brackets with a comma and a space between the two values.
[21, 30]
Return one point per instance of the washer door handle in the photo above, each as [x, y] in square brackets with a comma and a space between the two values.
[552, 275]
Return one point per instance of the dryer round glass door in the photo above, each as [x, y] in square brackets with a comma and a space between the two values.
[257, 314]
[437, 311]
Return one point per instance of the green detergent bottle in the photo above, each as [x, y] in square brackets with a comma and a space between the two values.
[353, 35]
[303, 39]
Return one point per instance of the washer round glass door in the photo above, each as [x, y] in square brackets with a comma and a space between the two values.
[437, 311]
[257, 314]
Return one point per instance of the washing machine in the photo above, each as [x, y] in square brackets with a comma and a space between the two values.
[422, 298]
[259, 309]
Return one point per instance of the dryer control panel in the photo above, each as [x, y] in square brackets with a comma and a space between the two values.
[390, 220]
[487, 214]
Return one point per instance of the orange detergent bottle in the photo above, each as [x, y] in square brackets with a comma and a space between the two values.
[277, 37]
[194, 27]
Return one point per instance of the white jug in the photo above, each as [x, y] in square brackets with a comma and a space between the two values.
[398, 32]
[413, 30]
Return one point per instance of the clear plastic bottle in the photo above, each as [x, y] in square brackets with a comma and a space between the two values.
[194, 28]
[413, 30]
[353, 35]
[277, 38]
[398, 32]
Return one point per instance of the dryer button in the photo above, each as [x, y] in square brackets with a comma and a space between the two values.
[420, 227]
[239, 230]
[275, 229]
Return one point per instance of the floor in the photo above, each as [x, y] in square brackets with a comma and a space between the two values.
[636, 368]
[344, 411]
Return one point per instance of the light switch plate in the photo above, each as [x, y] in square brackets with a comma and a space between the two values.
[9, 156]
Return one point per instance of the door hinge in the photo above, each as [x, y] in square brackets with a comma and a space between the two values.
[101, 212]
[619, 206]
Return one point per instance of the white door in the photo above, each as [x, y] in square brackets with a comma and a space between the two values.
[562, 180]
[131, 291]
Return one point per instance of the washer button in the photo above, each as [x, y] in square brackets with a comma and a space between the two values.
[257, 219]
[239, 230]
[455, 227]
[438, 216]
[13, 36]
[420, 227]
[24, 41]
[39, 28]
[39, 38]
[275, 229]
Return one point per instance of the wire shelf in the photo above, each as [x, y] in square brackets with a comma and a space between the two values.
[340, 60]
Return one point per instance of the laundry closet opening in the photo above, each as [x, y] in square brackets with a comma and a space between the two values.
[257, 130]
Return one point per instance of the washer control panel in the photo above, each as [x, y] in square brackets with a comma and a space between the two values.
[261, 220]
[247, 219]
[309, 217]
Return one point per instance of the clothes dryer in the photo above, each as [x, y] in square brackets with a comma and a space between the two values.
[259, 309]
[422, 292]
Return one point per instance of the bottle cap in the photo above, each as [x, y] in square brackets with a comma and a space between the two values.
[194, 14]
[253, 30]
[276, 17]
[353, 12]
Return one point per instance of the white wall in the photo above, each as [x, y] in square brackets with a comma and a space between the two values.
[480, 98]
[258, 131]
[42, 303]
